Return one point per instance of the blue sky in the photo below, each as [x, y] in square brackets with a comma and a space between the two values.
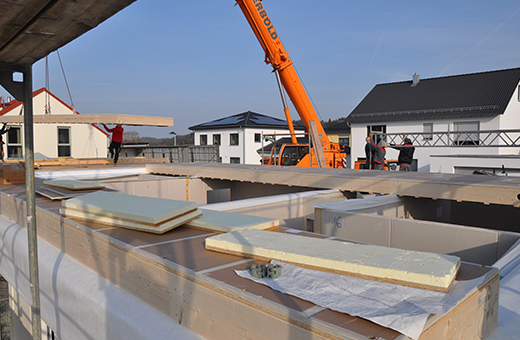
[197, 61]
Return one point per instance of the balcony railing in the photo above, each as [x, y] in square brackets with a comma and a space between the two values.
[481, 138]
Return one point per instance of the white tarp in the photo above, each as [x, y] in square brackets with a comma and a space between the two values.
[404, 309]
[76, 302]
[509, 307]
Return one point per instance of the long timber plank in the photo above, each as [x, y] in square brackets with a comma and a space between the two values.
[93, 119]
[471, 188]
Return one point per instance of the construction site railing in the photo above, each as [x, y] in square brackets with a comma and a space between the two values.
[480, 138]
[179, 154]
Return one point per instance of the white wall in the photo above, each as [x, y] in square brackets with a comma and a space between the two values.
[507, 121]
[511, 120]
[246, 148]
[86, 141]
[468, 163]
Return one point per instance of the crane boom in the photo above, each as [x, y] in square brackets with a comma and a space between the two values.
[278, 57]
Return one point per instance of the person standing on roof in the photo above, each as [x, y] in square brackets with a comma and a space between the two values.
[4, 129]
[368, 153]
[379, 152]
[117, 140]
[405, 155]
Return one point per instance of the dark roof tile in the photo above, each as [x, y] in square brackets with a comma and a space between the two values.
[244, 119]
[468, 95]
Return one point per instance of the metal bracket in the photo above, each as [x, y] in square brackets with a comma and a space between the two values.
[265, 270]
[15, 88]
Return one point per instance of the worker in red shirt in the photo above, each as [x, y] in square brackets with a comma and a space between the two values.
[117, 140]
[379, 151]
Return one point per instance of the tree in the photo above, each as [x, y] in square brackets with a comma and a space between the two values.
[130, 137]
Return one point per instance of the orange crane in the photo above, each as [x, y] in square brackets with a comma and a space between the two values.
[323, 152]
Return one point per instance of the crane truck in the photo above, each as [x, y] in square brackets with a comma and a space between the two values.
[320, 152]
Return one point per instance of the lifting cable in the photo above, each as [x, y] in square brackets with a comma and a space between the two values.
[66, 83]
[308, 95]
[47, 85]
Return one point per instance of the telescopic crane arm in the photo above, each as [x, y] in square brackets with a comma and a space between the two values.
[277, 56]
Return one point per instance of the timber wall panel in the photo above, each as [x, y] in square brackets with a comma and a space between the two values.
[208, 307]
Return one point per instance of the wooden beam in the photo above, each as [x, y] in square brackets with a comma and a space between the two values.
[317, 144]
[31, 29]
[93, 119]
[471, 188]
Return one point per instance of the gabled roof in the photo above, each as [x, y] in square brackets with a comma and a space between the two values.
[468, 95]
[13, 104]
[341, 127]
[246, 119]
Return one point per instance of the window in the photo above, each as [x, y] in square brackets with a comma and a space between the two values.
[233, 139]
[466, 133]
[292, 155]
[63, 141]
[14, 142]
[378, 131]
[258, 138]
[427, 131]
[344, 141]
[234, 160]
[216, 139]
[203, 140]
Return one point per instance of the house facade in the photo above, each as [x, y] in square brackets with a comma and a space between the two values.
[240, 136]
[52, 140]
[448, 118]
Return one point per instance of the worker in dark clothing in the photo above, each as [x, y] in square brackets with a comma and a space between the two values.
[405, 158]
[379, 152]
[4, 129]
[117, 140]
[369, 164]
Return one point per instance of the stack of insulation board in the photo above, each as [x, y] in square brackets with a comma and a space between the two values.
[405, 267]
[155, 215]
[224, 222]
[74, 185]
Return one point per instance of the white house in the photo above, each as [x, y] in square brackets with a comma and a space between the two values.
[431, 110]
[52, 140]
[240, 136]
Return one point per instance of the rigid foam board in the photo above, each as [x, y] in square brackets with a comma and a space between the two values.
[74, 185]
[222, 221]
[129, 207]
[159, 228]
[411, 268]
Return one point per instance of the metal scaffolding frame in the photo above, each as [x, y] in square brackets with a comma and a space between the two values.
[481, 138]
[22, 91]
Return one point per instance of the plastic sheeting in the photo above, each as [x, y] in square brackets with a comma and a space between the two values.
[509, 301]
[76, 302]
[404, 309]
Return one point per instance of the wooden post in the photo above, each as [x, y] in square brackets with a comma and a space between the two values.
[318, 144]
